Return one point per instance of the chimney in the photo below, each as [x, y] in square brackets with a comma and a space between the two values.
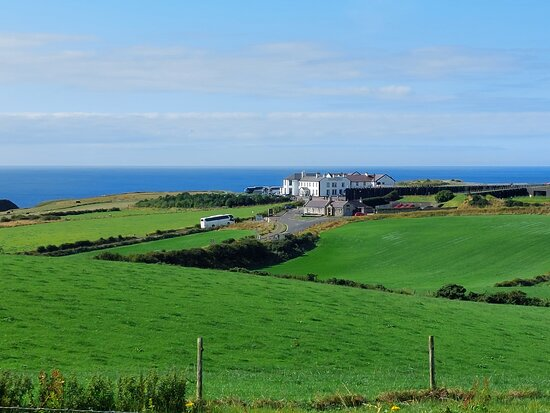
[303, 173]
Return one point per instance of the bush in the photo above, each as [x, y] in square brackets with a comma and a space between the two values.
[51, 389]
[99, 394]
[478, 201]
[452, 292]
[150, 393]
[509, 202]
[444, 196]
[15, 390]
[208, 200]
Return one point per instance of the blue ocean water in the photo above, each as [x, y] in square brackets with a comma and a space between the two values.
[28, 186]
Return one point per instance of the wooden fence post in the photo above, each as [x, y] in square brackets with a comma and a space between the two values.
[199, 369]
[432, 362]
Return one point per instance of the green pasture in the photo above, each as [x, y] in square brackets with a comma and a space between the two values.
[179, 243]
[533, 200]
[426, 253]
[264, 337]
[455, 202]
[96, 225]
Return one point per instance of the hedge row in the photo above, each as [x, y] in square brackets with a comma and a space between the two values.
[246, 253]
[77, 247]
[381, 200]
[525, 282]
[210, 200]
[151, 392]
[356, 193]
[313, 278]
[504, 193]
[54, 215]
[458, 292]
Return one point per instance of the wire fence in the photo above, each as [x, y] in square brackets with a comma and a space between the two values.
[46, 410]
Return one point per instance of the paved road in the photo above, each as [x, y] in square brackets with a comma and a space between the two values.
[293, 221]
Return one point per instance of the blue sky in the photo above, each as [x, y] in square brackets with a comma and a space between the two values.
[293, 83]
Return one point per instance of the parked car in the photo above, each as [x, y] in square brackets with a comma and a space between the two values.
[359, 214]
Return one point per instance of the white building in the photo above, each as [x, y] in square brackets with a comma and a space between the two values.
[307, 184]
[366, 180]
[324, 185]
[291, 184]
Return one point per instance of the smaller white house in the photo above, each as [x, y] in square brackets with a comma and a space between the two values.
[335, 207]
[383, 180]
[317, 206]
[366, 180]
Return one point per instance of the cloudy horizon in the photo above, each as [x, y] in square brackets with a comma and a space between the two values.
[245, 84]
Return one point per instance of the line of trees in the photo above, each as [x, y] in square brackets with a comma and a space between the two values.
[246, 253]
[499, 191]
[210, 200]
[458, 292]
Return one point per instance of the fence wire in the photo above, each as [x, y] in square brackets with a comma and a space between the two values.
[14, 409]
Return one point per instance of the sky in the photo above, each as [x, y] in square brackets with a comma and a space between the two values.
[274, 83]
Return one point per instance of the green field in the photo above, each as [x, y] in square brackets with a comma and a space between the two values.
[264, 337]
[426, 253]
[455, 202]
[96, 225]
[533, 200]
[179, 243]
[274, 338]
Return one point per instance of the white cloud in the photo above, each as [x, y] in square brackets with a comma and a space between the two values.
[277, 138]
[279, 69]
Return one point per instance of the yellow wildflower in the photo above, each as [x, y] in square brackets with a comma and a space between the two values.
[189, 404]
[395, 408]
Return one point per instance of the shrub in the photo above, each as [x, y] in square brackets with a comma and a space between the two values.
[246, 253]
[452, 292]
[444, 196]
[208, 200]
[99, 394]
[75, 394]
[478, 201]
[15, 390]
[51, 389]
[509, 202]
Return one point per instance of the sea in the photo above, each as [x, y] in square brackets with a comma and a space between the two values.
[29, 186]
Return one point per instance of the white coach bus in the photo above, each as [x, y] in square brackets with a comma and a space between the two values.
[217, 221]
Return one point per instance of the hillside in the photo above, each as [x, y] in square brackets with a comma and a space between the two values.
[425, 253]
[261, 334]
[6, 205]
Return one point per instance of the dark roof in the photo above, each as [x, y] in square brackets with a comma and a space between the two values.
[317, 203]
[339, 204]
[380, 176]
[360, 178]
[298, 175]
[294, 176]
[312, 178]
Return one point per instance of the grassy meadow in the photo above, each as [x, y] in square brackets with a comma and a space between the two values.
[425, 253]
[275, 338]
[93, 226]
[198, 240]
[264, 337]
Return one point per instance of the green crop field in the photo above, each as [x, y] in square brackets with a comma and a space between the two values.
[426, 253]
[264, 337]
[96, 225]
[274, 338]
[533, 200]
[179, 243]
